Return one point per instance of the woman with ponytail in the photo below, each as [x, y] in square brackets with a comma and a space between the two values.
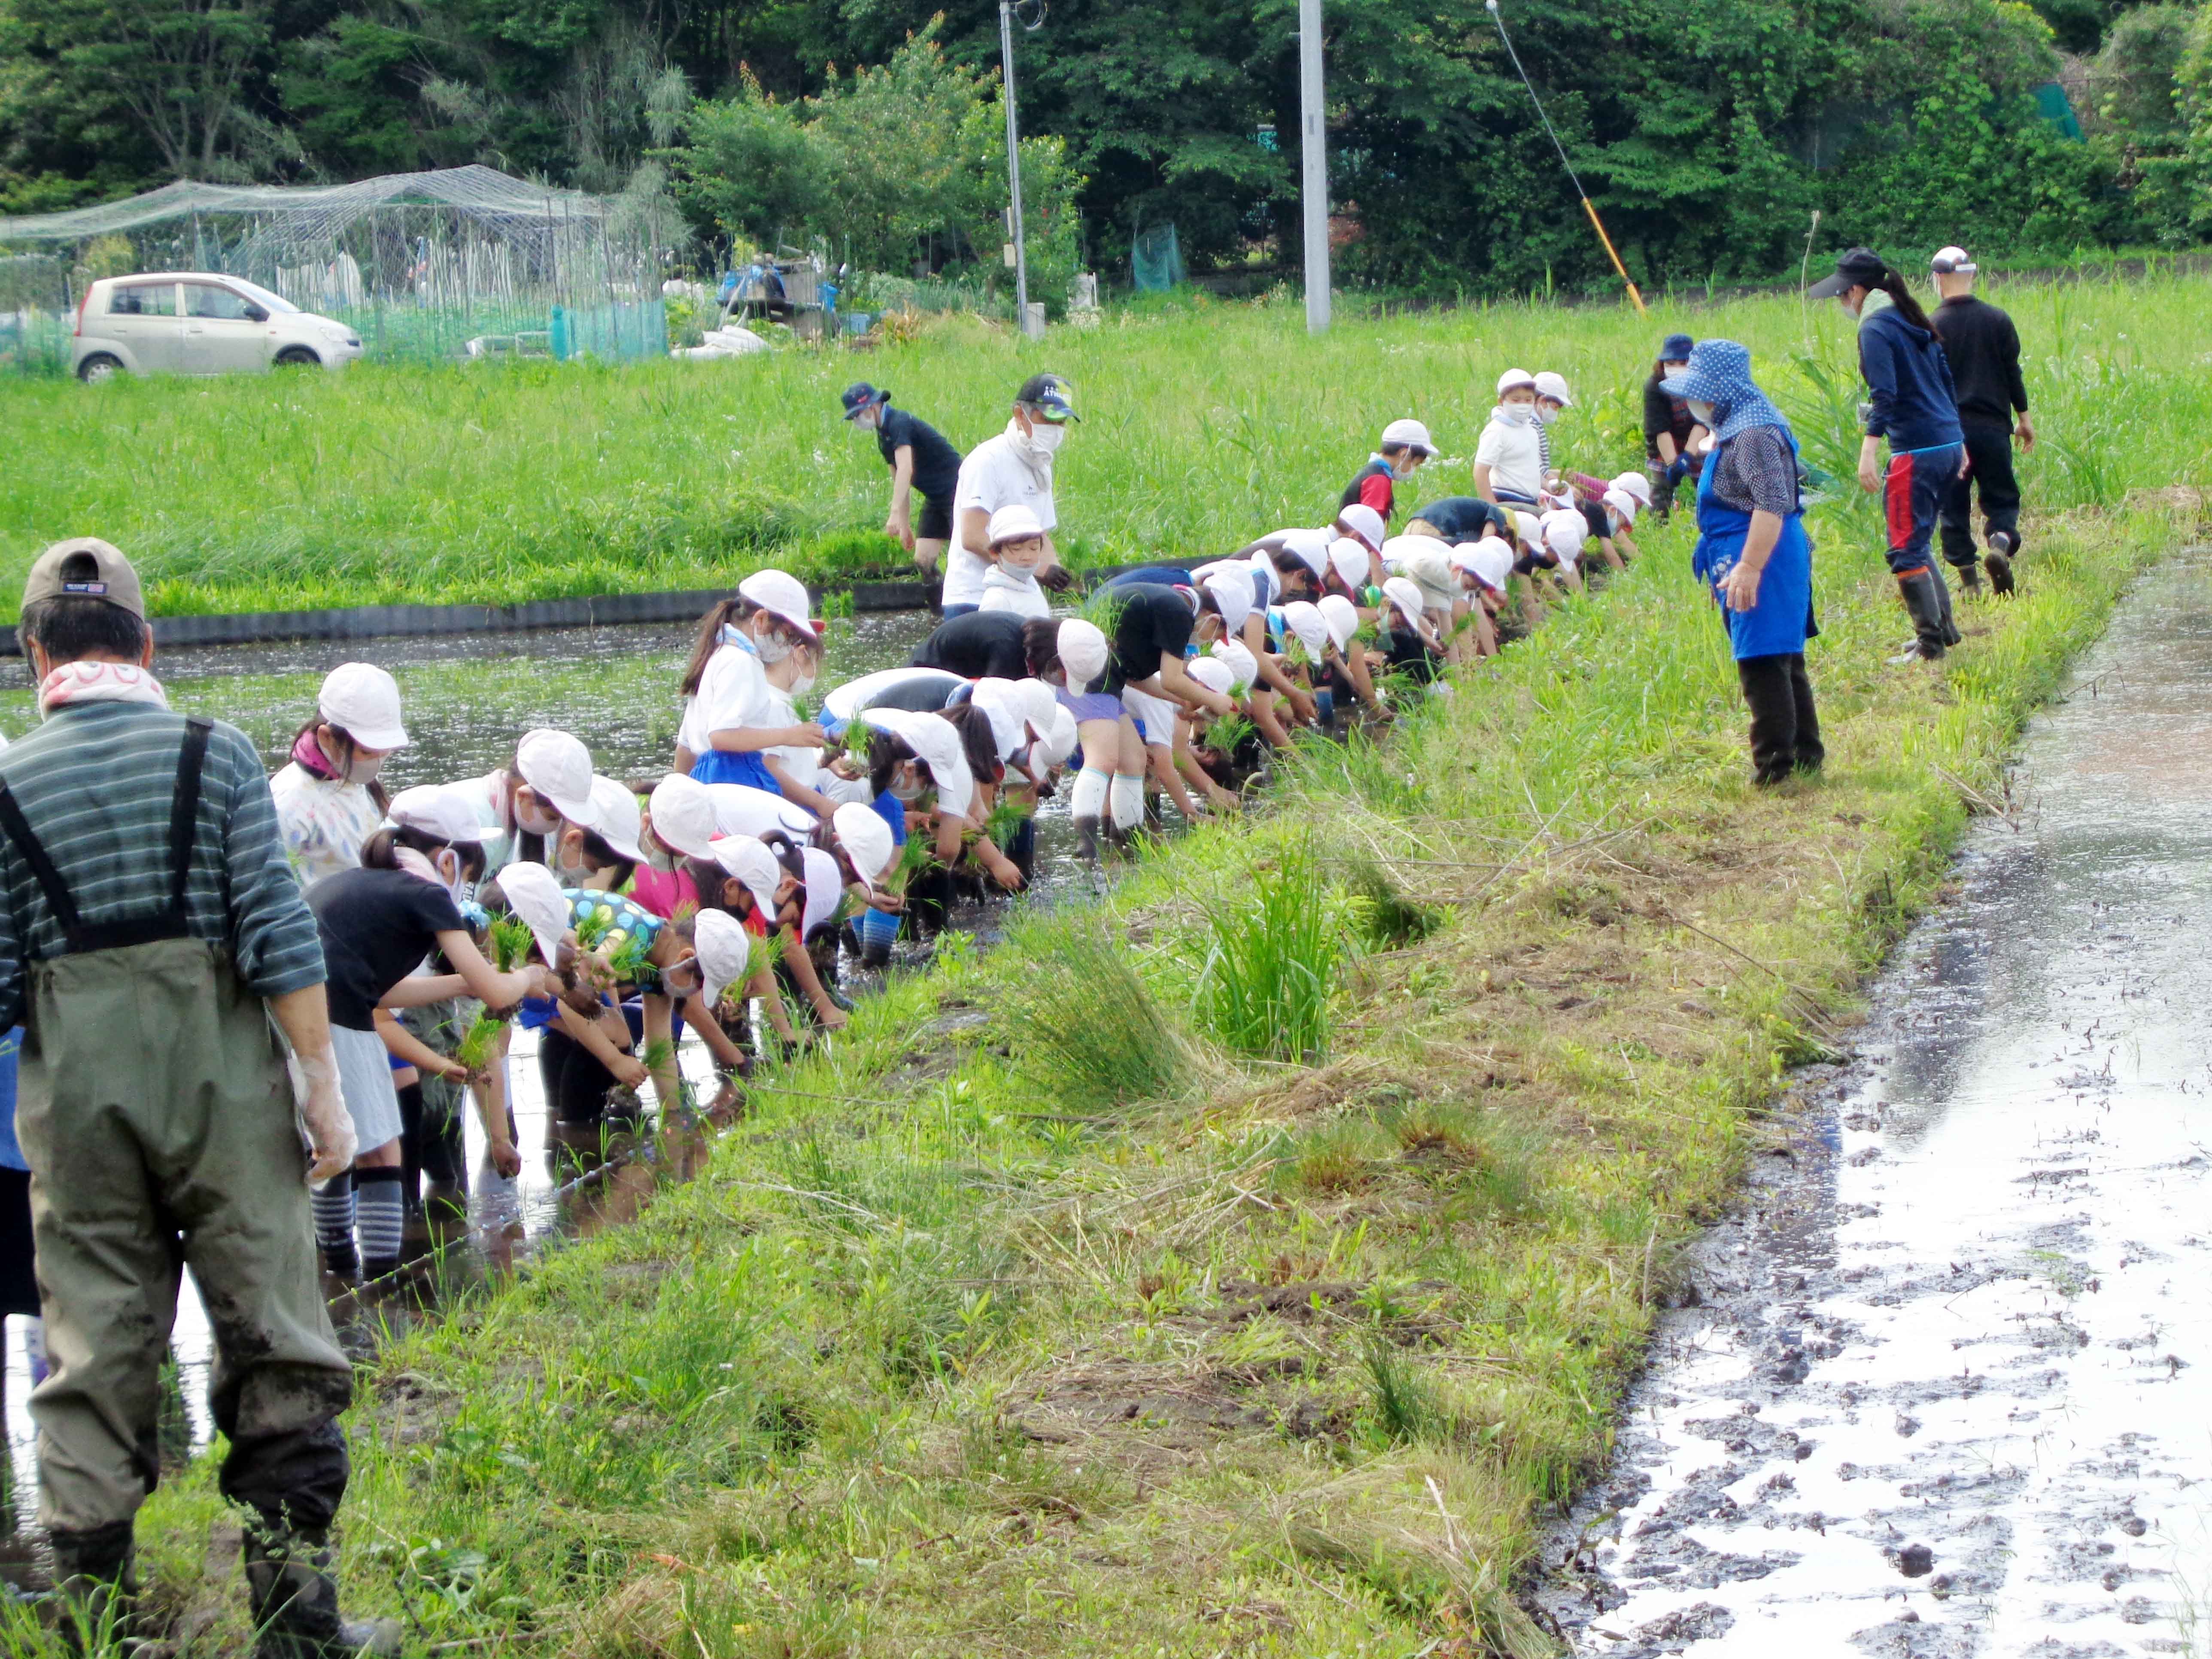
[1911, 404]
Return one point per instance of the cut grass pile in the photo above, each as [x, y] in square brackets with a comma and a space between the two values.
[1053, 1314]
[500, 483]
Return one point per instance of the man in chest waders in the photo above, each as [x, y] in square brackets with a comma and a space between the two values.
[149, 931]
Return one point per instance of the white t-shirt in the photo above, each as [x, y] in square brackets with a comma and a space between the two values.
[993, 476]
[732, 692]
[1515, 456]
[799, 764]
[323, 821]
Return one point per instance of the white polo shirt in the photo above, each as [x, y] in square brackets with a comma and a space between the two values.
[993, 476]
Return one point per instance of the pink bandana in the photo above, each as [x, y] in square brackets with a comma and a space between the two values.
[99, 682]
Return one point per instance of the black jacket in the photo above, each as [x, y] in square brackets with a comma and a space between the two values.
[1983, 348]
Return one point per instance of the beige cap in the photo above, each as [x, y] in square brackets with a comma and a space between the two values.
[85, 567]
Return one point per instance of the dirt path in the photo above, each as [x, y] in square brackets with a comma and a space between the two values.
[1944, 1387]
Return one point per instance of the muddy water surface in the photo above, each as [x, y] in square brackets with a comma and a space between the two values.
[1944, 1388]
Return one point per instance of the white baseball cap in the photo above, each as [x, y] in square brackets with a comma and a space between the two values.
[866, 839]
[1244, 667]
[1514, 377]
[615, 817]
[1489, 561]
[1310, 547]
[1059, 738]
[936, 742]
[1402, 593]
[1014, 523]
[1038, 704]
[1565, 531]
[1363, 522]
[1621, 502]
[362, 701]
[1351, 561]
[1398, 549]
[1303, 618]
[437, 811]
[1210, 672]
[1529, 529]
[724, 948]
[1554, 387]
[1001, 706]
[533, 893]
[1636, 484]
[1082, 651]
[558, 768]
[683, 816]
[1949, 261]
[751, 862]
[1342, 617]
[781, 595]
[1231, 592]
[1412, 433]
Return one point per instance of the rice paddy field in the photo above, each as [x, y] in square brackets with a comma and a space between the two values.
[1249, 1262]
[1204, 424]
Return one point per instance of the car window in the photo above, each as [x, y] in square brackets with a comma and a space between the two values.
[144, 299]
[275, 303]
[206, 299]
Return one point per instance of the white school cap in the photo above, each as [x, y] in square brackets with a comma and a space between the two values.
[1341, 615]
[1012, 523]
[1303, 618]
[615, 817]
[1002, 708]
[1210, 672]
[1363, 522]
[1514, 377]
[1037, 704]
[1621, 502]
[1310, 547]
[1565, 531]
[1231, 592]
[1401, 592]
[1082, 651]
[437, 811]
[362, 701]
[751, 862]
[1529, 529]
[1244, 667]
[866, 839]
[1412, 433]
[1553, 386]
[533, 893]
[1350, 561]
[1059, 738]
[1489, 561]
[558, 768]
[1398, 548]
[683, 816]
[1636, 484]
[783, 595]
[936, 741]
[724, 946]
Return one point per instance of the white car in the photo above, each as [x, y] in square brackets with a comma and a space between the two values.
[196, 323]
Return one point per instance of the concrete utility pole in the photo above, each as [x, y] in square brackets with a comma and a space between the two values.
[1014, 173]
[1313, 136]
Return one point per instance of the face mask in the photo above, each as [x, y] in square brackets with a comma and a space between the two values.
[771, 649]
[537, 824]
[800, 685]
[1517, 414]
[659, 856]
[365, 769]
[1703, 412]
[1047, 438]
[906, 789]
[1404, 469]
[1545, 415]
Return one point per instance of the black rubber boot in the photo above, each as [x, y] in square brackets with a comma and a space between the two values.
[2003, 546]
[295, 1601]
[1812, 753]
[1086, 839]
[1951, 635]
[1767, 693]
[1922, 594]
[96, 1588]
[1970, 577]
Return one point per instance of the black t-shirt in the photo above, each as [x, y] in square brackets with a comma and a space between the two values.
[1462, 517]
[981, 643]
[377, 927]
[936, 462]
[1150, 621]
[1663, 412]
[925, 694]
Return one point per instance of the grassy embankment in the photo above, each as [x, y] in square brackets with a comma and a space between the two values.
[1062, 1311]
[499, 482]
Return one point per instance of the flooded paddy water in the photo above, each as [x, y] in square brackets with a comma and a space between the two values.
[1943, 1385]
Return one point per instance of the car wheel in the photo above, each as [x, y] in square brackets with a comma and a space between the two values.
[298, 357]
[98, 367]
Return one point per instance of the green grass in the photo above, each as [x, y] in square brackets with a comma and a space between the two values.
[1203, 424]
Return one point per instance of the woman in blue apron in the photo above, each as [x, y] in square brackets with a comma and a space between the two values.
[1753, 553]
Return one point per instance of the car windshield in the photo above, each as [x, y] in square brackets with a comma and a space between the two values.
[276, 304]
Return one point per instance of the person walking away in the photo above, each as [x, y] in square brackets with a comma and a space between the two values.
[1753, 553]
[328, 798]
[150, 929]
[1014, 468]
[1982, 348]
[1909, 380]
[921, 460]
[1404, 447]
[1509, 458]
[1669, 427]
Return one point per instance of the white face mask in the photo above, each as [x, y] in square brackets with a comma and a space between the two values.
[573, 875]
[657, 855]
[365, 769]
[770, 648]
[800, 685]
[1704, 413]
[1546, 414]
[1047, 437]
[906, 788]
[537, 824]
[1517, 414]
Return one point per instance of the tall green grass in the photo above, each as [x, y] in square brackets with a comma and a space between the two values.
[1274, 946]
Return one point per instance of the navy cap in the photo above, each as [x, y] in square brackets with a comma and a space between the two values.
[861, 396]
[1049, 396]
[1675, 348]
[1858, 267]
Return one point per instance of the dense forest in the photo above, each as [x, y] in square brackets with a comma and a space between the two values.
[1707, 130]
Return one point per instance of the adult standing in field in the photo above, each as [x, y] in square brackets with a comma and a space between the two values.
[150, 929]
[1753, 552]
[1011, 470]
[921, 459]
[1982, 348]
[1668, 426]
[1912, 407]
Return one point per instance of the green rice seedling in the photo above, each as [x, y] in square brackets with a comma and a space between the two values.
[1085, 1026]
[1275, 946]
[1004, 821]
[632, 959]
[1384, 918]
[1403, 1406]
[1229, 733]
[474, 1049]
[916, 853]
[593, 926]
[511, 941]
[658, 1054]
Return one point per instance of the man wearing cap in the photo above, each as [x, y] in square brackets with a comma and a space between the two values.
[150, 929]
[921, 458]
[1670, 428]
[1405, 447]
[1011, 470]
[1983, 349]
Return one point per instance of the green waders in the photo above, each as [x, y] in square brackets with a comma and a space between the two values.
[156, 1116]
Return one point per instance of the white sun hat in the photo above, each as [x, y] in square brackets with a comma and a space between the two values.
[1342, 617]
[1082, 651]
[1554, 387]
[1412, 433]
[866, 839]
[362, 701]
[1406, 596]
[1243, 666]
[1303, 618]
[558, 768]
[615, 817]
[724, 946]
[683, 816]
[437, 811]
[1512, 378]
[1210, 672]
[533, 893]
[1364, 522]
[936, 741]
[1351, 561]
[1231, 592]
[781, 595]
[1012, 523]
[751, 862]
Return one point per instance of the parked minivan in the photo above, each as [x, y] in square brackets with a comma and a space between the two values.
[195, 323]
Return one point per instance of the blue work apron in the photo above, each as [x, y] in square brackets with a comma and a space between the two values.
[1780, 622]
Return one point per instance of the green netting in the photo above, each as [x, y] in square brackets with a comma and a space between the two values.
[2052, 104]
[1155, 259]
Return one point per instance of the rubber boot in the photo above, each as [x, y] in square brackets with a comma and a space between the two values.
[1924, 603]
[1086, 839]
[1768, 694]
[96, 1588]
[1970, 577]
[295, 1601]
[2003, 545]
[1951, 635]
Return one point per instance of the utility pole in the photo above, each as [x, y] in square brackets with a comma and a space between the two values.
[1313, 136]
[1014, 172]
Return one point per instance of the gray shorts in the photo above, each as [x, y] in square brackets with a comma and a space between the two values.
[365, 1077]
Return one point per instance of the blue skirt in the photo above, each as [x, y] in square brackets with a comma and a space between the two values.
[722, 766]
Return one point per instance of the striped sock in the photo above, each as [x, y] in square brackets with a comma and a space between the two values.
[382, 1219]
[333, 1206]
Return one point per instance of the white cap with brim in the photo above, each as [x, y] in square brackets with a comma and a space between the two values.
[683, 816]
[866, 839]
[1363, 522]
[558, 770]
[1082, 651]
[1231, 592]
[724, 948]
[1492, 564]
[1565, 531]
[362, 701]
[1210, 672]
[1554, 387]
[1001, 706]
[1413, 434]
[1621, 502]
[1059, 738]
[1528, 529]
[936, 742]
[533, 893]
[781, 595]
[1243, 666]
[1634, 483]
[1303, 618]
[437, 811]
[1037, 703]
[1406, 596]
[751, 862]
[1342, 617]
[1310, 547]
[1515, 377]
[1013, 523]
[1351, 561]
[616, 819]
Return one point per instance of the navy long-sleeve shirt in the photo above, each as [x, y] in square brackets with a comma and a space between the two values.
[1908, 379]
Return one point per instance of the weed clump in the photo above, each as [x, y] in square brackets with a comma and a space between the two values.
[1087, 1027]
[1273, 961]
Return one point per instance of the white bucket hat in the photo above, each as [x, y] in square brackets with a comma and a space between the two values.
[683, 816]
[781, 595]
[558, 768]
[866, 839]
[362, 701]
[533, 893]
[724, 946]
[615, 817]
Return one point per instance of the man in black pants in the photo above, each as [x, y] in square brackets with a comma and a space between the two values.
[1983, 348]
[922, 461]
